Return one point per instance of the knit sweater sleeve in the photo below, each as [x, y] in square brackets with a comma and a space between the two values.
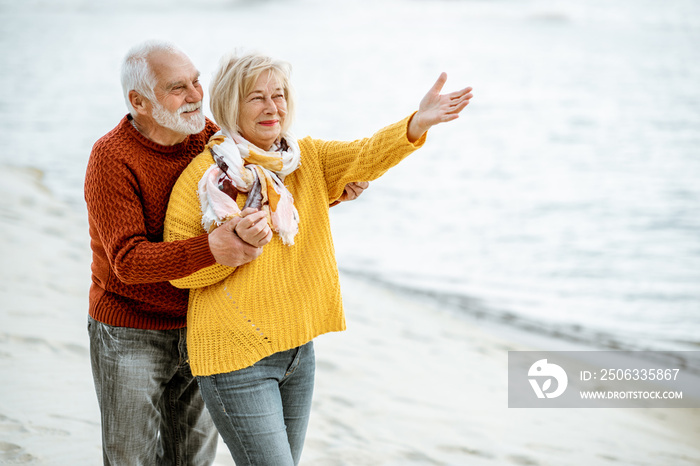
[116, 212]
[364, 159]
[183, 221]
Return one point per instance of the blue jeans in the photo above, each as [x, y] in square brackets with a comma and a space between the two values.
[262, 411]
[151, 409]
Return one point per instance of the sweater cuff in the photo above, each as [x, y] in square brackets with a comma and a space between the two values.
[200, 254]
[418, 142]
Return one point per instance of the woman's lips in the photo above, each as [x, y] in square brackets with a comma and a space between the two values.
[268, 122]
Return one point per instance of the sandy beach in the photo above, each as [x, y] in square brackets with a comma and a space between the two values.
[408, 383]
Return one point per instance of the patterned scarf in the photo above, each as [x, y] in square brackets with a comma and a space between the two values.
[242, 167]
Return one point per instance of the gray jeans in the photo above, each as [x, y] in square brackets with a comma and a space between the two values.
[151, 409]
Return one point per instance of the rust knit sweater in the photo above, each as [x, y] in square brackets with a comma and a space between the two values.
[127, 186]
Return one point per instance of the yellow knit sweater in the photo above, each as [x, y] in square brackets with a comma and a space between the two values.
[289, 294]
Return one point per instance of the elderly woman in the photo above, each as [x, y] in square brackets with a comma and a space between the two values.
[250, 328]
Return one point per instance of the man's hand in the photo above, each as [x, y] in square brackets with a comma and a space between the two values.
[228, 248]
[353, 190]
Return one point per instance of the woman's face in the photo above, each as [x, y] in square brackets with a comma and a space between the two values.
[263, 112]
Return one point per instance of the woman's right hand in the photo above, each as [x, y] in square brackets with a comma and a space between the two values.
[253, 227]
[228, 248]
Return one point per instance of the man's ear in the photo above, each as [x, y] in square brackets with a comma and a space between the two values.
[139, 102]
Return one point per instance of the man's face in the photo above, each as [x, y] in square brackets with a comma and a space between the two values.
[178, 105]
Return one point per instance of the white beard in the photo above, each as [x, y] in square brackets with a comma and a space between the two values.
[174, 120]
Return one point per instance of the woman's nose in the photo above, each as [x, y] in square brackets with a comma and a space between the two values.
[270, 105]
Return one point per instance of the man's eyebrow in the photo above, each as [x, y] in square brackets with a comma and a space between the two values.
[173, 84]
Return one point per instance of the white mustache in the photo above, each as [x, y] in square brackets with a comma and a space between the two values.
[189, 107]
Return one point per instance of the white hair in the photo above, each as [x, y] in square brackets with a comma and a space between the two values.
[137, 74]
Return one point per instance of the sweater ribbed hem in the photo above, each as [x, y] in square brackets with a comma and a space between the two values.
[109, 309]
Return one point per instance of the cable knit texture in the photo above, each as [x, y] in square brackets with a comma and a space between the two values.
[127, 186]
[289, 294]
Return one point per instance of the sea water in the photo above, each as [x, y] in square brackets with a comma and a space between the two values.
[565, 199]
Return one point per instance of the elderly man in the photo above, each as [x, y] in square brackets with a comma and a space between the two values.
[151, 409]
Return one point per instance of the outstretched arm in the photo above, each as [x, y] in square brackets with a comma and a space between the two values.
[370, 158]
[437, 108]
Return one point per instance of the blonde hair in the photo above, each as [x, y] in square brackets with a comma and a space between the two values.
[235, 79]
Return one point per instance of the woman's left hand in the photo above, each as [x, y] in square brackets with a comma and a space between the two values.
[437, 108]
